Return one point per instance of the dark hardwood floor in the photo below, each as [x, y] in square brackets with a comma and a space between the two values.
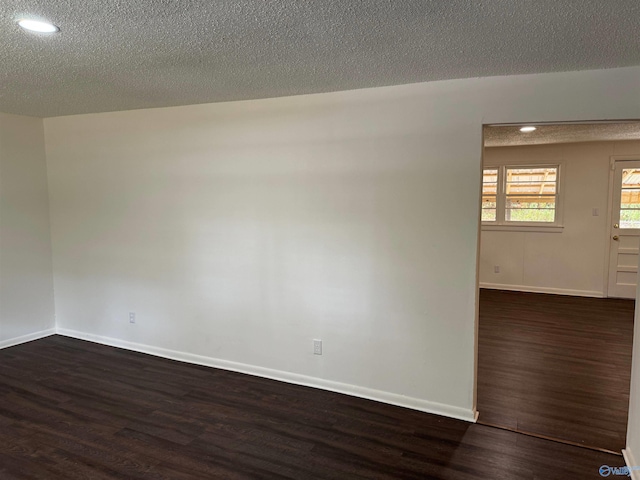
[556, 366]
[71, 409]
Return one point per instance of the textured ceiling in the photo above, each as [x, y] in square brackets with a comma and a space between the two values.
[507, 136]
[127, 54]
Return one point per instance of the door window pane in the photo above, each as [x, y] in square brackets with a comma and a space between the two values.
[630, 199]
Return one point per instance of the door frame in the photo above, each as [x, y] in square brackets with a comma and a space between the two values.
[636, 331]
[607, 249]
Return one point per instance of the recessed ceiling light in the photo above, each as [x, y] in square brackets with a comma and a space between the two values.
[527, 129]
[38, 26]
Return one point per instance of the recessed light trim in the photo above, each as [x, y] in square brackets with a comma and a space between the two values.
[38, 26]
[528, 129]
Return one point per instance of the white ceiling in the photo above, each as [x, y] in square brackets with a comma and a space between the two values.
[127, 54]
[510, 135]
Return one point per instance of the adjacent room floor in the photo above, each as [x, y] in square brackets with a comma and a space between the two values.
[556, 366]
[71, 409]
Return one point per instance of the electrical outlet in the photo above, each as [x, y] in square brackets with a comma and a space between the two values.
[317, 347]
[496, 269]
[132, 317]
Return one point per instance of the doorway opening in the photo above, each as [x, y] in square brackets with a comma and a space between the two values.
[558, 268]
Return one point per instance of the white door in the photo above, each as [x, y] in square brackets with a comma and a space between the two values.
[624, 231]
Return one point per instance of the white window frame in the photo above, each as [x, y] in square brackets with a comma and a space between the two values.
[501, 224]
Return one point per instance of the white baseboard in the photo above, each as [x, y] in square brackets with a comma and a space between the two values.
[631, 462]
[362, 392]
[27, 338]
[553, 291]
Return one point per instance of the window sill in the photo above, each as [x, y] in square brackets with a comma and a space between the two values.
[523, 228]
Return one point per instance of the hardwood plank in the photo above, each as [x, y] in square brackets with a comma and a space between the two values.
[110, 413]
[556, 366]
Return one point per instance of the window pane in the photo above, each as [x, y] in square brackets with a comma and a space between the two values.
[535, 181]
[530, 215]
[630, 197]
[489, 181]
[531, 188]
[489, 202]
[630, 218]
[488, 214]
[630, 178]
[536, 208]
[490, 175]
[489, 188]
[489, 192]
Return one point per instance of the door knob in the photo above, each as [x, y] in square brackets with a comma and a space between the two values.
[615, 237]
[616, 226]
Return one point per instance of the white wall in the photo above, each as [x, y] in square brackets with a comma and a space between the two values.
[241, 231]
[573, 261]
[26, 280]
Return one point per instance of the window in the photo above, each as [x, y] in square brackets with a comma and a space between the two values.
[521, 195]
[630, 199]
[489, 194]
